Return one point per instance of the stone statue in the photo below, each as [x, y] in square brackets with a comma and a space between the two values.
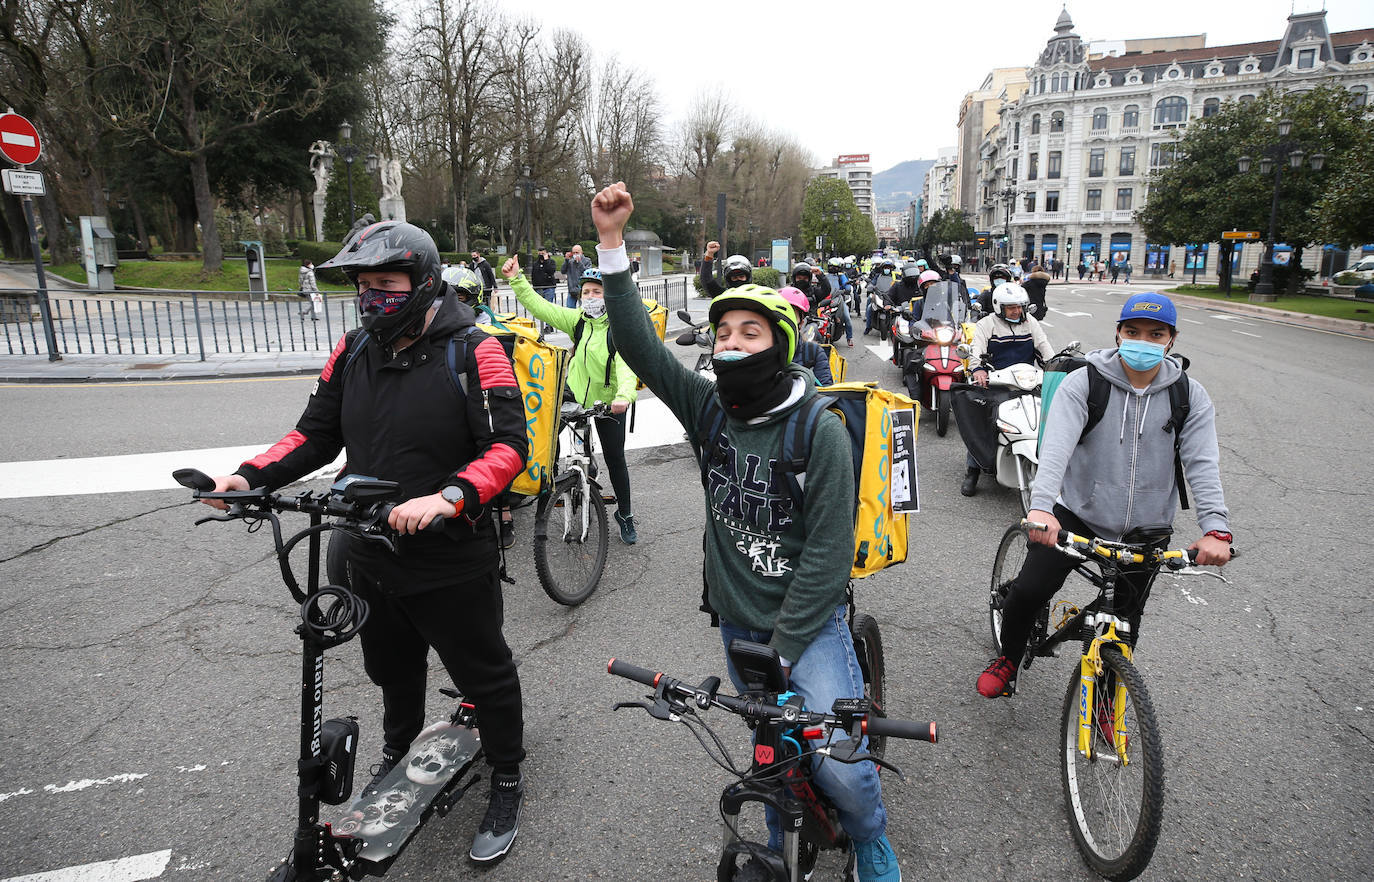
[391, 179]
[321, 164]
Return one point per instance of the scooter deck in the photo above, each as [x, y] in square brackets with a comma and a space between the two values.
[387, 816]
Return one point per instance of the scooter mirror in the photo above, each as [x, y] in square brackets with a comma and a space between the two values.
[964, 350]
[685, 316]
[1073, 344]
[687, 338]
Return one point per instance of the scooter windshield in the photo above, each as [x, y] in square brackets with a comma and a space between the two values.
[945, 305]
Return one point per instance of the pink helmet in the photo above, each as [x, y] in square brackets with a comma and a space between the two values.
[928, 276]
[795, 297]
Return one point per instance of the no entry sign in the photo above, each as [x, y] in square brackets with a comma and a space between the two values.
[19, 139]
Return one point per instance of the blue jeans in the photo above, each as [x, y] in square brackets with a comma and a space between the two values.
[828, 669]
[547, 293]
[573, 295]
[842, 306]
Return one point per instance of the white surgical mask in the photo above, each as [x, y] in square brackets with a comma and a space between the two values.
[593, 307]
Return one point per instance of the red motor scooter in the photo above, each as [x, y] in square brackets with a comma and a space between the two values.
[939, 331]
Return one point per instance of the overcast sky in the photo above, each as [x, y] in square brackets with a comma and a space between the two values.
[856, 76]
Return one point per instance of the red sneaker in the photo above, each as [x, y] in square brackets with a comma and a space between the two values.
[998, 680]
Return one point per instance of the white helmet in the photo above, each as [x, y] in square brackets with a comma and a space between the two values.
[956, 260]
[1010, 294]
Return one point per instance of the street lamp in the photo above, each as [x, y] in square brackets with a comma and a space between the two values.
[753, 228]
[1008, 196]
[1272, 160]
[350, 153]
[529, 188]
[832, 215]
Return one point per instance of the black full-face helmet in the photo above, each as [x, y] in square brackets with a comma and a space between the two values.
[738, 271]
[801, 275]
[392, 246]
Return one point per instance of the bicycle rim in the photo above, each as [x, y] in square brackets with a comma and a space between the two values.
[1010, 555]
[868, 646]
[1115, 809]
[569, 560]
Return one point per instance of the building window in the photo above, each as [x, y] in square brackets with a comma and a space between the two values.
[1033, 167]
[1163, 155]
[1130, 117]
[1123, 198]
[1210, 107]
[1094, 200]
[1359, 95]
[1245, 99]
[1015, 161]
[1054, 164]
[1171, 111]
[1099, 119]
[1097, 161]
[1057, 122]
[1030, 203]
[1042, 84]
[1127, 166]
[1052, 200]
[1035, 124]
[1016, 134]
[1307, 59]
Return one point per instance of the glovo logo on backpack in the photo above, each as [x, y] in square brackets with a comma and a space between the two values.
[541, 372]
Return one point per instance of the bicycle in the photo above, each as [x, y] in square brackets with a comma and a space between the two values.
[378, 825]
[570, 551]
[780, 774]
[1111, 748]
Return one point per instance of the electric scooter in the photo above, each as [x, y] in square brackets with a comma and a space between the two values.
[376, 826]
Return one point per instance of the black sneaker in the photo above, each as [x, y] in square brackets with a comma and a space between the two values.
[497, 830]
[507, 533]
[381, 770]
[970, 485]
[628, 535]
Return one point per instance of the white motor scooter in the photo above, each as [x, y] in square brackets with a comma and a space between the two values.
[1018, 423]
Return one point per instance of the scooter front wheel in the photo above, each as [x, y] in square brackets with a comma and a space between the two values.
[941, 412]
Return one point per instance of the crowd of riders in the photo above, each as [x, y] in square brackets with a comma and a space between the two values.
[774, 573]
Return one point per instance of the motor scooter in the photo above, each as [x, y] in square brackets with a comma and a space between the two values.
[1000, 424]
[927, 349]
[883, 312]
[699, 334]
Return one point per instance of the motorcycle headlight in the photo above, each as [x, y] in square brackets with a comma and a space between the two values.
[944, 335]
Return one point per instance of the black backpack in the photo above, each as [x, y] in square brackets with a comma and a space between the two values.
[1099, 390]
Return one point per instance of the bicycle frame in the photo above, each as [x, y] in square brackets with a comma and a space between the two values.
[579, 462]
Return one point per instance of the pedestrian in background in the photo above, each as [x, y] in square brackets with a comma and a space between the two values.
[306, 275]
[1173, 266]
[544, 275]
[1126, 269]
[574, 265]
[483, 269]
[1116, 270]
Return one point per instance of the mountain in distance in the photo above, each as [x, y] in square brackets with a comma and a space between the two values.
[894, 189]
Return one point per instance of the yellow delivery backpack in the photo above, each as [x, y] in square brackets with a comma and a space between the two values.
[839, 366]
[541, 369]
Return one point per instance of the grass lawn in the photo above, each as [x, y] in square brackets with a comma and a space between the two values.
[1331, 307]
[186, 275]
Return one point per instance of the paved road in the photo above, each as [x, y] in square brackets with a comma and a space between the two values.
[149, 673]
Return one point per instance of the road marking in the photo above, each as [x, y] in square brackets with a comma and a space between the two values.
[655, 425]
[1229, 318]
[882, 350]
[1247, 333]
[1193, 321]
[140, 384]
[1045, 324]
[129, 869]
[1070, 314]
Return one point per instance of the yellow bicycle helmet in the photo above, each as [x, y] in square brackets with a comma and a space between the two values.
[764, 301]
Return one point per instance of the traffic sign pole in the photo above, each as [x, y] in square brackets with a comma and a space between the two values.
[44, 309]
[20, 144]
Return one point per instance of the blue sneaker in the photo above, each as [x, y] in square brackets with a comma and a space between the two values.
[876, 861]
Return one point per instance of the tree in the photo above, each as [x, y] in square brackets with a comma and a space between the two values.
[1345, 211]
[829, 210]
[947, 226]
[186, 75]
[336, 219]
[704, 134]
[1202, 192]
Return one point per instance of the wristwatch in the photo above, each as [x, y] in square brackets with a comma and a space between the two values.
[453, 494]
[1218, 534]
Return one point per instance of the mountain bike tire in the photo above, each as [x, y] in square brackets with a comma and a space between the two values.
[1115, 810]
[570, 566]
[1011, 554]
[868, 646]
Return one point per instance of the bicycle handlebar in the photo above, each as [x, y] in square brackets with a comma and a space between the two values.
[756, 711]
[1121, 552]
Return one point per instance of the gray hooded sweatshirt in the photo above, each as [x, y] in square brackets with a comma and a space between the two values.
[1122, 475]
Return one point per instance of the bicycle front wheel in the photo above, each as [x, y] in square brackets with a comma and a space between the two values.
[1115, 794]
[570, 540]
[868, 646]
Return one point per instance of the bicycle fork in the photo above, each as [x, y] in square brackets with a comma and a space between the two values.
[1090, 669]
[577, 517]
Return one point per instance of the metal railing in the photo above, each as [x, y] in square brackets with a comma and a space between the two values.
[203, 325]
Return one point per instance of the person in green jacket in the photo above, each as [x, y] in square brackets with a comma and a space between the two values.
[596, 374]
[774, 575]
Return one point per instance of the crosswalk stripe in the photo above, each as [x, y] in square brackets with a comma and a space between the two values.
[129, 869]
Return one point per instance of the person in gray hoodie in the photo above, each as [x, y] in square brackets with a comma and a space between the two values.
[1119, 478]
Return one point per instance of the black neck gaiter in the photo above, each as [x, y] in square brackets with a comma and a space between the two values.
[753, 385]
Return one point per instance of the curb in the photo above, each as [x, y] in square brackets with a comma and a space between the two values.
[40, 380]
[1282, 316]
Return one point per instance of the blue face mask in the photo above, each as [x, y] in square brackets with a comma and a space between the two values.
[1139, 355]
[730, 355]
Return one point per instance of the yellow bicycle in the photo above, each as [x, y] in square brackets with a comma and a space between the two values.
[1111, 750]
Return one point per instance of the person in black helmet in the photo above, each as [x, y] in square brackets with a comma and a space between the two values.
[388, 397]
[737, 271]
[810, 281]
